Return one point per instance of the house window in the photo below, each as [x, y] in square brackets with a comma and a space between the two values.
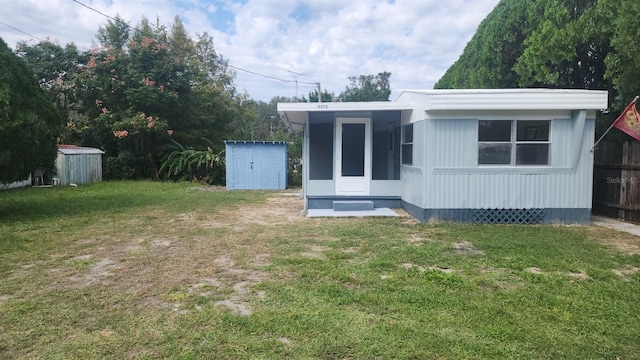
[407, 145]
[513, 142]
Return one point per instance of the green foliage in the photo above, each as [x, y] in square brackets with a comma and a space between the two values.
[205, 166]
[119, 167]
[136, 90]
[326, 96]
[54, 68]
[564, 50]
[367, 88]
[620, 22]
[29, 124]
[294, 170]
[489, 57]
[583, 44]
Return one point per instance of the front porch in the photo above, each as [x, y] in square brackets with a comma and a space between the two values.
[351, 151]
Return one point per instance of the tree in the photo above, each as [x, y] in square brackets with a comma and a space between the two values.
[326, 96]
[367, 88]
[546, 43]
[132, 89]
[139, 92]
[561, 52]
[55, 68]
[488, 59]
[29, 124]
[619, 21]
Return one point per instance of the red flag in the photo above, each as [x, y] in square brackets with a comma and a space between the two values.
[629, 121]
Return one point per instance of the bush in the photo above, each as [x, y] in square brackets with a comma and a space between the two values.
[204, 166]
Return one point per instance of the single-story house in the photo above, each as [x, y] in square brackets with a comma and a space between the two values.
[474, 156]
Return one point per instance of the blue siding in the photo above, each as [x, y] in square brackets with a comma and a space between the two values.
[256, 165]
[451, 179]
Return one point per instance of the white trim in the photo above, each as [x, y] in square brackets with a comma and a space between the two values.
[353, 185]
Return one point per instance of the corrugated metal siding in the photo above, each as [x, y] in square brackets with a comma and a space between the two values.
[256, 165]
[80, 168]
[452, 143]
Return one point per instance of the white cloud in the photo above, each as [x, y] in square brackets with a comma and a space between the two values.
[414, 40]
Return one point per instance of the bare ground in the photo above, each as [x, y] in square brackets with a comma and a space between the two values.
[220, 256]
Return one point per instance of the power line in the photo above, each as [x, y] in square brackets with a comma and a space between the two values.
[271, 77]
[18, 30]
[105, 15]
[98, 11]
[229, 65]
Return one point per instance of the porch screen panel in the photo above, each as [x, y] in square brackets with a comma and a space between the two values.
[321, 146]
[353, 147]
[386, 145]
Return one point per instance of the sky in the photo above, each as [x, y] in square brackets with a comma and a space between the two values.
[297, 42]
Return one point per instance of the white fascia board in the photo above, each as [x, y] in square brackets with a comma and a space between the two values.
[296, 113]
[514, 99]
[344, 106]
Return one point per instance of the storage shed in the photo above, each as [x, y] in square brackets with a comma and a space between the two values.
[256, 165]
[78, 165]
[473, 156]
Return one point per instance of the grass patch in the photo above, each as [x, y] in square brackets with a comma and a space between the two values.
[162, 270]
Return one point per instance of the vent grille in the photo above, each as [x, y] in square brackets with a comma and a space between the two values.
[508, 216]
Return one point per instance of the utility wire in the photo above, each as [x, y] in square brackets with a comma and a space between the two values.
[229, 65]
[16, 29]
[269, 76]
[98, 11]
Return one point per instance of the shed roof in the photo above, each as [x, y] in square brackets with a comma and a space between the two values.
[76, 150]
[253, 142]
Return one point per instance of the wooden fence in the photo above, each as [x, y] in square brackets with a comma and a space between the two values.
[616, 180]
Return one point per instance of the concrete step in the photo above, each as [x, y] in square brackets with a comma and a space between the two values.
[359, 205]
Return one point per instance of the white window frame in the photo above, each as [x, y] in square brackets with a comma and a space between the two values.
[513, 142]
[405, 144]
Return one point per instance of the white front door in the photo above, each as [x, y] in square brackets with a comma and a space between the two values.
[353, 156]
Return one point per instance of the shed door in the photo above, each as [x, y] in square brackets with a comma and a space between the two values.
[242, 161]
[353, 152]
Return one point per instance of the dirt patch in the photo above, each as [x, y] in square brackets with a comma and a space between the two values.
[578, 276]
[626, 272]
[100, 271]
[415, 239]
[623, 242]
[277, 211]
[183, 262]
[533, 270]
[420, 268]
[316, 252]
[408, 266]
[466, 248]
[209, 188]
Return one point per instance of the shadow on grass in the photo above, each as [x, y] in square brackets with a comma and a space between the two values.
[36, 204]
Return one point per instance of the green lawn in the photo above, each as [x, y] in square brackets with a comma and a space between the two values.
[160, 270]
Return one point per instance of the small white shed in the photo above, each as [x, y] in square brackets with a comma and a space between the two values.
[78, 164]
